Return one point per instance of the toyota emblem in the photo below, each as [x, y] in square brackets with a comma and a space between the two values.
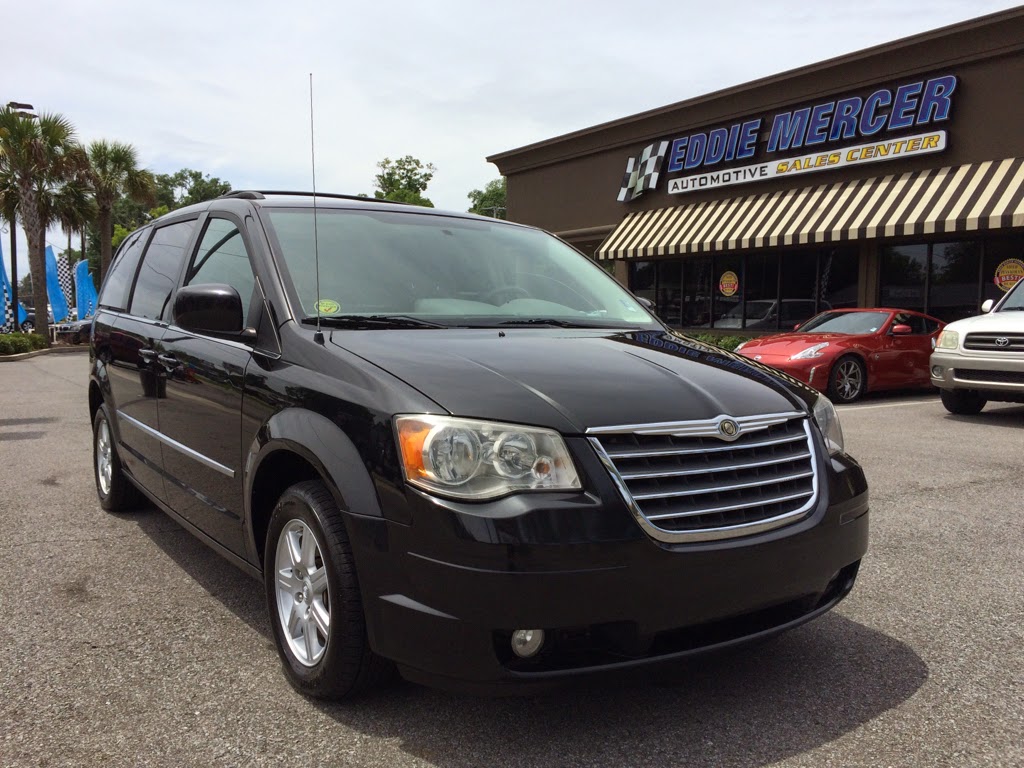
[1002, 341]
[729, 429]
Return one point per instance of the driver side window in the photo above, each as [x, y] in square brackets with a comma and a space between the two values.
[222, 258]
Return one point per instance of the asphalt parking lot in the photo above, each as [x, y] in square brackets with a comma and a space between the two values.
[123, 641]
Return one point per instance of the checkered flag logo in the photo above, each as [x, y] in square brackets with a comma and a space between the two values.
[64, 278]
[642, 171]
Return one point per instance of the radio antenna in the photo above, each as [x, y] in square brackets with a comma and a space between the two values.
[318, 337]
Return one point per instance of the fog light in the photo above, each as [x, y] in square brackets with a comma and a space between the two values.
[937, 371]
[526, 642]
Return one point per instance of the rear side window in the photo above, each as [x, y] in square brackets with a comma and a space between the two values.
[119, 279]
[160, 269]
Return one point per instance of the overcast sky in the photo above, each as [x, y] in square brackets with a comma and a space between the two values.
[221, 86]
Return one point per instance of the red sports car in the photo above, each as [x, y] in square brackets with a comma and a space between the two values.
[847, 352]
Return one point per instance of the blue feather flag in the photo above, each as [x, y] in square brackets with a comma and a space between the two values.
[85, 290]
[57, 301]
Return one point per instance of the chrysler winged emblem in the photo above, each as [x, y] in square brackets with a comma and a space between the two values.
[729, 429]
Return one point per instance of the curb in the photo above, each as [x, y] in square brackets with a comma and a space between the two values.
[37, 352]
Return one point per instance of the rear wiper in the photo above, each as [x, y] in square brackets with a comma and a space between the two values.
[372, 321]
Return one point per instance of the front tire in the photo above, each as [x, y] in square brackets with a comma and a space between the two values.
[848, 380]
[313, 597]
[116, 491]
[962, 402]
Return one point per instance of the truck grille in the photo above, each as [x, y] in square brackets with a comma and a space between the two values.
[995, 342]
[692, 481]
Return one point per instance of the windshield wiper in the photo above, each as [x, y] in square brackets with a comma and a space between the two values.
[372, 321]
[547, 321]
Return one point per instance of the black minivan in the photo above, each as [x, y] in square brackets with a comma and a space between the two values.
[457, 446]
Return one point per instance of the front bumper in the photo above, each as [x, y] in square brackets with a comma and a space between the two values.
[998, 376]
[443, 595]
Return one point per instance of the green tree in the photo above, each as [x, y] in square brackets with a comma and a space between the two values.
[404, 180]
[187, 187]
[489, 201]
[114, 172]
[38, 157]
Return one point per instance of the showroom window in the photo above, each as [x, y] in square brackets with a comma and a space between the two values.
[902, 279]
[953, 280]
[729, 280]
[670, 291]
[949, 280]
[761, 291]
[838, 276]
[743, 291]
[697, 292]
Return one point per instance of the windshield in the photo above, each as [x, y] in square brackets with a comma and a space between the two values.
[845, 322]
[447, 270]
[1015, 300]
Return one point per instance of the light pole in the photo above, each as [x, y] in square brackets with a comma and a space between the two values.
[21, 111]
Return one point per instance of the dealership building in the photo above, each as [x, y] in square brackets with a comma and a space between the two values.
[893, 177]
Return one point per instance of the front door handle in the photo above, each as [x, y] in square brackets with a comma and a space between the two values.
[169, 362]
[147, 355]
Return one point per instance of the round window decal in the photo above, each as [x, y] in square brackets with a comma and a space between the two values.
[327, 307]
[1008, 273]
[729, 283]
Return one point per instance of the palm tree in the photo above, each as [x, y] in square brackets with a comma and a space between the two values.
[38, 156]
[114, 172]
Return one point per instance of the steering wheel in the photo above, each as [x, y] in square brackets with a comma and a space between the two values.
[513, 291]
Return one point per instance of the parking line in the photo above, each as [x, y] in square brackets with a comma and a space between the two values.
[889, 405]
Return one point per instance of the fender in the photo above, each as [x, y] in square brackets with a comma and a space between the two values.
[324, 445]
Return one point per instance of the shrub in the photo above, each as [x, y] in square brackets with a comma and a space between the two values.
[725, 342]
[17, 343]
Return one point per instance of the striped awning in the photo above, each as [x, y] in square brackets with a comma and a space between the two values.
[987, 195]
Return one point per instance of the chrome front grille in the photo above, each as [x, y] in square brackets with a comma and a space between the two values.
[995, 342]
[691, 481]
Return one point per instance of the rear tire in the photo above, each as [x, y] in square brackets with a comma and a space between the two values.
[962, 402]
[312, 590]
[847, 380]
[116, 491]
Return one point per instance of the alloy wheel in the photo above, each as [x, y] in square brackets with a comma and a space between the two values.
[849, 380]
[303, 599]
[104, 458]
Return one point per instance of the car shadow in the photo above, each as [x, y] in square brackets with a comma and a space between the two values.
[746, 708]
[1005, 415]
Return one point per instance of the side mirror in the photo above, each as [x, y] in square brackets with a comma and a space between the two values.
[797, 326]
[986, 306]
[645, 303]
[210, 308]
[901, 330]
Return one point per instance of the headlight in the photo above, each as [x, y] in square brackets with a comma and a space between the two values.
[810, 352]
[948, 340]
[478, 460]
[828, 422]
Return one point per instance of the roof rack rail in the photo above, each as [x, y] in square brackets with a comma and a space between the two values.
[260, 194]
[244, 194]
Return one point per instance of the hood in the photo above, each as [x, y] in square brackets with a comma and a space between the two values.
[994, 322]
[791, 343]
[573, 379]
